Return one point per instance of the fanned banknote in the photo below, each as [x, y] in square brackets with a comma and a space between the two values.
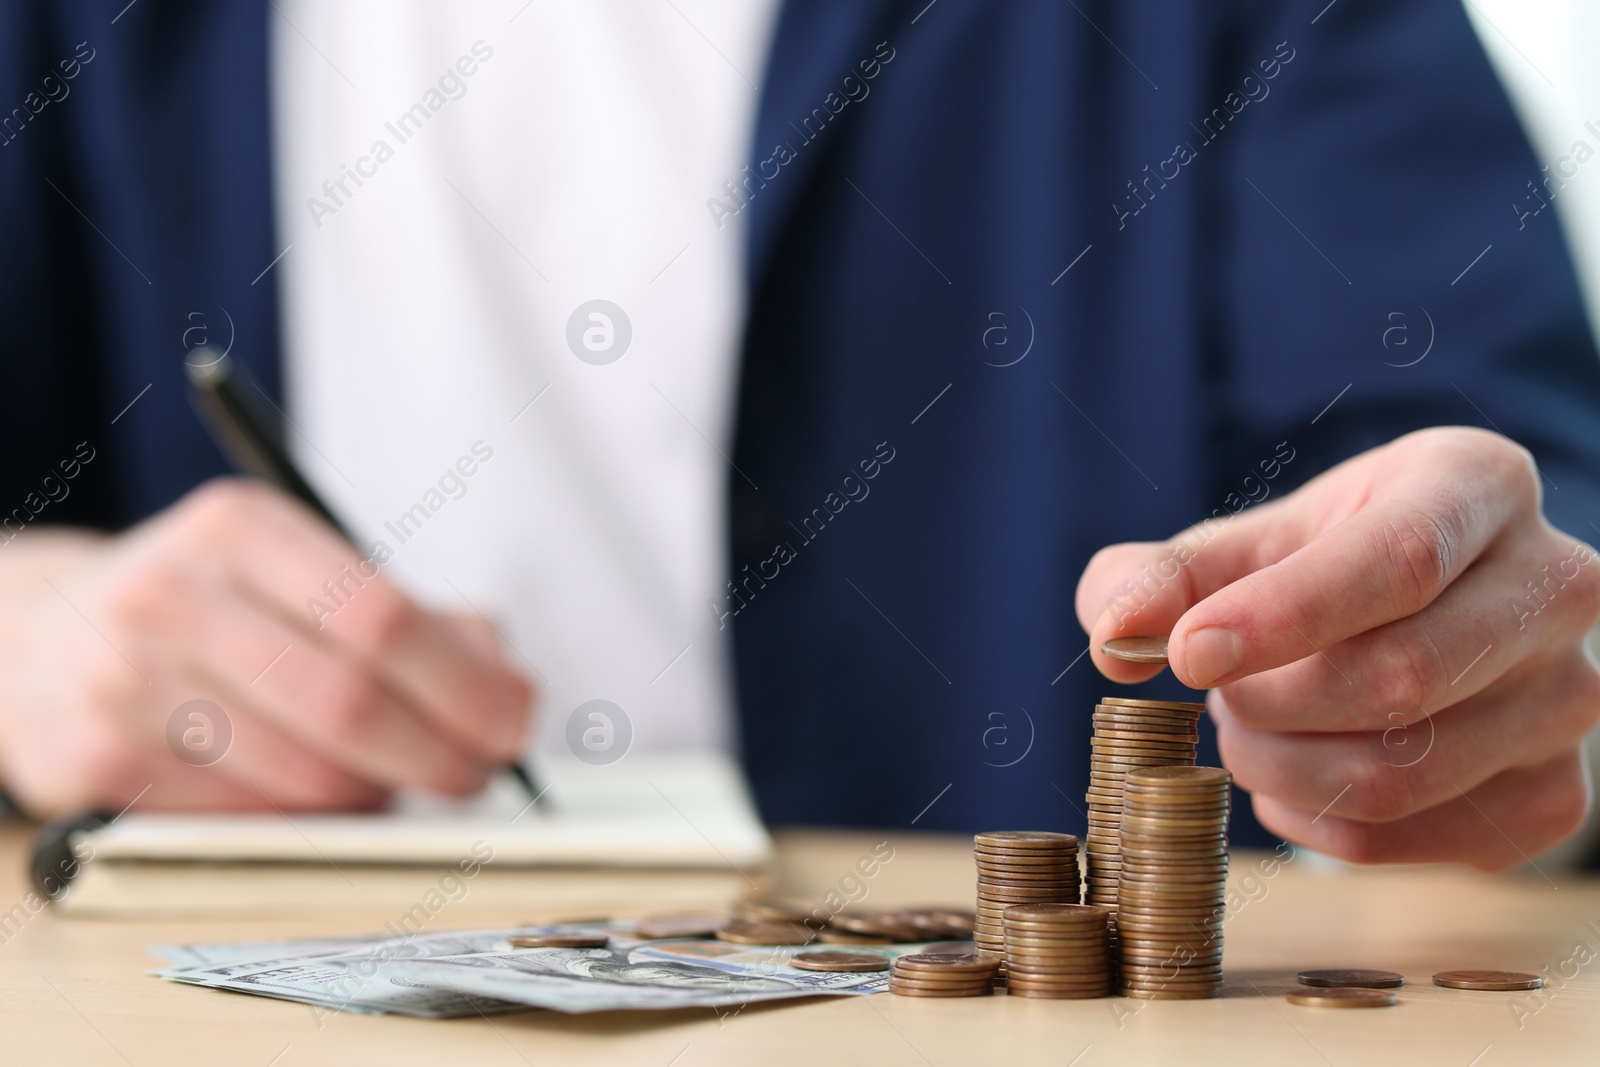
[462, 973]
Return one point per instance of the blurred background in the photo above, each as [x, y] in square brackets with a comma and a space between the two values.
[1544, 51]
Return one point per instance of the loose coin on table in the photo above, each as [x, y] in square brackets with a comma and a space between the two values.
[838, 961]
[1342, 998]
[1335, 978]
[657, 927]
[1493, 980]
[1136, 649]
[751, 932]
[560, 940]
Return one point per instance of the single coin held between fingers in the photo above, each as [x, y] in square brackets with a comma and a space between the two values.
[1137, 649]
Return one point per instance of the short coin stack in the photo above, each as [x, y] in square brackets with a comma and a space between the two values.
[1172, 882]
[1020, 867]
[1057, 951]
[943, 974]
[1128, 735]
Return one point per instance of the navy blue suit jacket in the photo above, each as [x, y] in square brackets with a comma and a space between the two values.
[1054, 275]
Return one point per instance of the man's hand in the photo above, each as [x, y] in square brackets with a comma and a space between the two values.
[102, 638]
[1395, 652]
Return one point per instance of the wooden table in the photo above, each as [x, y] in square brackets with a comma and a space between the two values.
[74, 991]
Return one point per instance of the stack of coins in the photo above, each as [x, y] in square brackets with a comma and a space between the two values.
[1057, 951]
[943, 974]
[1172, 882]
[1128, 734]
[1020, 867]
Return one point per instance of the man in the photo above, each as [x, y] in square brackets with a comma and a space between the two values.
[987, 289]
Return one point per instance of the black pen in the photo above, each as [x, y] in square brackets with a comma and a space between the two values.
[253, 439]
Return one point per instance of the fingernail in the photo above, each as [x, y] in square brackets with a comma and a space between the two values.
[1212, 653]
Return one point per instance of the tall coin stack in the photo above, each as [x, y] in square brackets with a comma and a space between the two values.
[1020, 867]
[1057, 951]
[1172, 883]
[1128, 735]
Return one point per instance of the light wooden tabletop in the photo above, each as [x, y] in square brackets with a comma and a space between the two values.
[75, 991]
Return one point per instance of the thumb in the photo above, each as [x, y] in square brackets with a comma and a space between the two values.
[1142, 589]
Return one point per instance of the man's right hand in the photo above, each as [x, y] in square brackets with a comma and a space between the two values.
[103, 638]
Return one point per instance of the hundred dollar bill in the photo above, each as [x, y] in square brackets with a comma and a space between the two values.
[472, 972]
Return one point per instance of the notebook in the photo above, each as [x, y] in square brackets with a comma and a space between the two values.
[654, 830]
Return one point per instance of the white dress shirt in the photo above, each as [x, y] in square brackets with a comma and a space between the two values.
[454, 180]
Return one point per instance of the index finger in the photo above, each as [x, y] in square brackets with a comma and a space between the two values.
[317, 582]
[1371, 540]
[1425, 508]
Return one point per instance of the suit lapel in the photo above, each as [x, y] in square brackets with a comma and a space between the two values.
[817, 45]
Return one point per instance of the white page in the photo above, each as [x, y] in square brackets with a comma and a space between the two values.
[648, 809]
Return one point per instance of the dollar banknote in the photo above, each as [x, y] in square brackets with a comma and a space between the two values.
[463, 973]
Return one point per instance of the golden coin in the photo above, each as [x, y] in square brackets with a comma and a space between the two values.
[829, 936]
[1136, 649]
[1022, 944]
[655, 927]
[1206, 993]
[1015, 984]
[1120, 742]
[875, 924]
[749, 932]
[903, 990]
[954, 920]
[1051, 994]
[838, 961]
[1341, 998]
[1109, 723]
[1488, 980]
[934, 980]
[1087, 971]
[1154, 705]
[1175, 778]
[769, 911]
[573, 940]
[1112, 732]
[1024, 839]
[1056, 914]
[1026, 877]
[946, 962]
[1343, 977]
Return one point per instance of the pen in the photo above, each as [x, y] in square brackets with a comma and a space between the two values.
[253, 441]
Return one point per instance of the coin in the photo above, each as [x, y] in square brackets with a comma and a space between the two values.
[1339, 978]
[907, 990]
[945, 962]
[1341, 998]
[749, 932]
[942, 981]
[875, 924]
[1016, 980]
[1136, 649]
[1203, 993]
[829, 936]
[1181, 777]
[1047, 875]
[769, 911]
[654, 927]
[1025, 839]
[1154, 705]
[1056, 915]
[559, 940]
[838, 961]
[1488, 980]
